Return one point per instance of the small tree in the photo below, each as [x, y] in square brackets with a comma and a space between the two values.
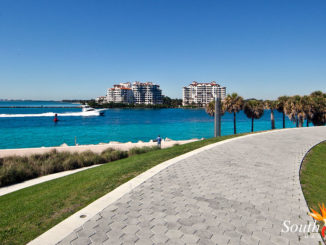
[294, 110]
[281, 101]
[271, 105]
[233, 103]
[318, 108]
[307, 104]
[254, 109]
[210, 108]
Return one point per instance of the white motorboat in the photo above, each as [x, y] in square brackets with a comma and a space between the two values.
[87, 110]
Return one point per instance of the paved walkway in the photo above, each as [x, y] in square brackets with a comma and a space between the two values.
[239, 192]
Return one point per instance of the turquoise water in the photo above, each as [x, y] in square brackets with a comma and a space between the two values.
[121, 125]
[31, 103]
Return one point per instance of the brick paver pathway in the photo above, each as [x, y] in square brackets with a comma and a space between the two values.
[239, 192]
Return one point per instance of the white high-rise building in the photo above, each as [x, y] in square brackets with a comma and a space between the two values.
[202, 93]
[120, 93]
[147, 93]
[101, 99]
[138, 93]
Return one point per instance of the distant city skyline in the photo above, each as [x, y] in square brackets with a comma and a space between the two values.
[54, 50]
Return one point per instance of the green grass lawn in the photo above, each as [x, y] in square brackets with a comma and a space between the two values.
[313, 176]
[27, 213]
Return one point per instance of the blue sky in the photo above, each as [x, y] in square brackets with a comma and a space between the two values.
[77, 49]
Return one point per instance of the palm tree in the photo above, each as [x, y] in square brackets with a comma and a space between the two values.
[233, 103]
[281, 101]
[307, 104]
[254, 109]
[210, 108]
[289, 110]
[271, 105]
[294, 110]
[318, 108]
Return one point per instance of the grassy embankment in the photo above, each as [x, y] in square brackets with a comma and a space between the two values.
[313, 176]
[15, 169]
[27, 213]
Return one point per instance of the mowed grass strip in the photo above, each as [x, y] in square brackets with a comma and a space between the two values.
[28, 213]
[313, 176]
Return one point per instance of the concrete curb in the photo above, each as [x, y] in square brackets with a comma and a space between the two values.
[64, 228]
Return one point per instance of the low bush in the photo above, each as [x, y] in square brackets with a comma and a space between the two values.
[116, 155]
[16, 169]
[137, 150]
[90, 158]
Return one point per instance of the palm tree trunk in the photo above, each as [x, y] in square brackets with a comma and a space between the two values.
[252, 124]
[234, 123]
[283, 119]
[272, 119]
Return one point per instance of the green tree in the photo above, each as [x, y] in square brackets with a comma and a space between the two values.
[210, 108]
[281, 101]
[271, 105]
[294, 109]
[307, 103]
[233, 103]
[318, 108]
[166, 100]
[254, 109]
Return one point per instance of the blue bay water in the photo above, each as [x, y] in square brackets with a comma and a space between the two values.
[121, 125]
[32, 103]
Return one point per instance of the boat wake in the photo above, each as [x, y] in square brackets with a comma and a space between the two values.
[51, 114]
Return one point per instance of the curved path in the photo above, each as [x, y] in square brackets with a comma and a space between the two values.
[238, 192]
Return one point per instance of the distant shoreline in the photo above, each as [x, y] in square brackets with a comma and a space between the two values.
[98, 107]
[40, 107]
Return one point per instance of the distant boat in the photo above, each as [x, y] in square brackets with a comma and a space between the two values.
[87, 111]
[91, 111]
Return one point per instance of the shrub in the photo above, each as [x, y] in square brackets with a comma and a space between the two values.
[72, 162]
[51, 165]
[116, 155]
[106, 156]
[113, 155]
[90, 158]
[137, 150]
[108, 150]
[16, 169]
